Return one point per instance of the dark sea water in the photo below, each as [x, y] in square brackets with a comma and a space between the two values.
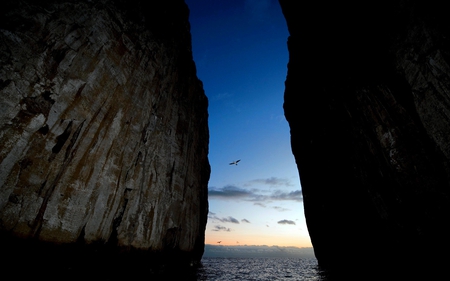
[260, 269]
[299, 269]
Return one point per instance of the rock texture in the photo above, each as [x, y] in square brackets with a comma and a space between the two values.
[104, 134]
[367, 100]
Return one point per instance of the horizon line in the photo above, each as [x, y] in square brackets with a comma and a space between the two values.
[240, 245]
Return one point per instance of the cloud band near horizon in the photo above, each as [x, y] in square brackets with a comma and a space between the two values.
[233, 192]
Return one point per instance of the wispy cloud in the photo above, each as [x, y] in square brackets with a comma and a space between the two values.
[221, 228]
[280, 118]
[222, 96]
[286, 222]
[227, 219]
[229, 192]
[245, 220]
[293, 195]
[281, 209]
[258, 196]
[273, 181]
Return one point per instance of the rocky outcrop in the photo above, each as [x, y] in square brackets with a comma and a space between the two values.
[104, 134]
[367, 101]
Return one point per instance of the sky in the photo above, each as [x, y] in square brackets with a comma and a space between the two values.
[240, 51]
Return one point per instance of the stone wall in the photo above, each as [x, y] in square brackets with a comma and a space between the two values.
[103, 126]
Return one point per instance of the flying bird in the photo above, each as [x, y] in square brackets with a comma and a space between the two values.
[219, 242]
[235, 162]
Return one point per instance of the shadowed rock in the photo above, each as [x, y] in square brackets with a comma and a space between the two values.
[367, 102]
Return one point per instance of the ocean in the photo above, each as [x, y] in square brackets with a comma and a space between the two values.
[299, 269]
[259, 269]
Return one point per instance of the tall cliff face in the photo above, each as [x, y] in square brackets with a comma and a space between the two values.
[368, 106]
[104, 134]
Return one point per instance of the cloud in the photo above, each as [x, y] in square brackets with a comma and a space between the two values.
[280, 118]
[228, 219]
[222, 96]
[221, 228]
[276, 196]
[286, 222]
[234, 193]
[281, 209]
[212, 216]
[245, 220]
[229, 192]
[273, 181]
[293, 195]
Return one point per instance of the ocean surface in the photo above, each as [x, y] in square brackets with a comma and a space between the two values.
[290, 269]
[260, 269]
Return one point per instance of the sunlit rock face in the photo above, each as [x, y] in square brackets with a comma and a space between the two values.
[367, 101]
[104, 136]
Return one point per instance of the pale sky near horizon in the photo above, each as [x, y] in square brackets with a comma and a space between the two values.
[240, 50]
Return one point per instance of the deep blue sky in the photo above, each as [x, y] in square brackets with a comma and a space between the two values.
[240, 51]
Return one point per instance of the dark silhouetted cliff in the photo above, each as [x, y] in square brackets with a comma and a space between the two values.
[367, 100]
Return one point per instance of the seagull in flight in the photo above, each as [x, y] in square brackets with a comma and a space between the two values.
[235, 162]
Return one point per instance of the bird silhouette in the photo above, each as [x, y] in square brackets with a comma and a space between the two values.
[235, 162]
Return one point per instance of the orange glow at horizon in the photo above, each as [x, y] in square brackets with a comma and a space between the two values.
[300, 242]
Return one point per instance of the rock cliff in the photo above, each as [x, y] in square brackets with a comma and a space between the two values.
[367, 100]
[104, 134]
